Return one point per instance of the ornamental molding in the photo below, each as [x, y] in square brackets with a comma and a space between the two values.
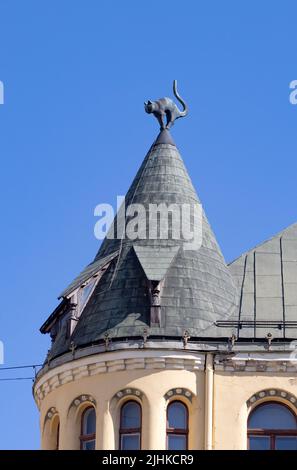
[280, 362]
[128, 392]
[50, 414]
[270, 393]
[114, 362]
[82, 399]
[179, 392]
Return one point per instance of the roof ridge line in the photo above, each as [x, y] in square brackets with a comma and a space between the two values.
[278, 234]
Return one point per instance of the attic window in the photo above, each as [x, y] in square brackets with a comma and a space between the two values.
[79, 300]
[61, 324]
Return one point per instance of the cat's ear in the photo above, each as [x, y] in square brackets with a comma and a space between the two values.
[149, 102]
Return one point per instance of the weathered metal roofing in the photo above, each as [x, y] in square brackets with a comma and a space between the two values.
[266, 277]
[88, 272]
[198, 289]
[155, 261]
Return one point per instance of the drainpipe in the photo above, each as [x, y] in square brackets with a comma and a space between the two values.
[208, 401]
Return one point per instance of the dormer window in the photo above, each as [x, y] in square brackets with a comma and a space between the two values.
[79, 300]
[64, 324]
[64, 318]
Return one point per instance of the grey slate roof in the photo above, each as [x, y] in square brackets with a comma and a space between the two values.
[198, 289]
[266, 277]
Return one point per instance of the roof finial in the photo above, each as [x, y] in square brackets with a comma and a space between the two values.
[166, 107]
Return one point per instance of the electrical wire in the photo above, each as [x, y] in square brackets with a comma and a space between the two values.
[21, 367]
[16, 378]
[29, 366]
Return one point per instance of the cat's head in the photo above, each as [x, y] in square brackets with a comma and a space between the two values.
[149, 107]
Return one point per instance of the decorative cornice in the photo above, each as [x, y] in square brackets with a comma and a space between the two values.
[152, 359]
[116, 346]
[177, 392]
[113, 362]
[272, 393]
[132, 344]
[280, 362]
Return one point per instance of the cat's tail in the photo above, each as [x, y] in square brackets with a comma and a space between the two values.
[184, 105]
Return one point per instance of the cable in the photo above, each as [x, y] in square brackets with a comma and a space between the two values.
[17, 378]
[29, 366]
[21, 367]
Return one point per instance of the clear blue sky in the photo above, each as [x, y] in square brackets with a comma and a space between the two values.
[73, 133]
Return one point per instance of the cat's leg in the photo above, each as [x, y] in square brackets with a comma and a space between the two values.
[160, 120]
[170, 120]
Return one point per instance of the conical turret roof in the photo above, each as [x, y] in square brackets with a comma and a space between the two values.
[195, 286]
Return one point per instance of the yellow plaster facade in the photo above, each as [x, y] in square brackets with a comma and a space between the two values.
[218, 397]
[232, 390]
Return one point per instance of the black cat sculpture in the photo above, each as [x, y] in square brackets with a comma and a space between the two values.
[166, 107]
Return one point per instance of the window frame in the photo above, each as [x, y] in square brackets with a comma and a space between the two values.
[86, 437]
[124, 431]
[270, 433]
[178, 431]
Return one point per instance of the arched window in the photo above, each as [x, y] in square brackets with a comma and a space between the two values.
[57, 436]
[52, 431]
[272, 426]
[177, 426]
[130, 426]
[88, 429]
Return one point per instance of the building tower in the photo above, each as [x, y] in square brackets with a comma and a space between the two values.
[157, 343]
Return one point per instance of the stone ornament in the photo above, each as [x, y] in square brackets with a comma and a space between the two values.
[272, 392]
[179, 392]
[82, 399]
[128, 392]
[50, 414]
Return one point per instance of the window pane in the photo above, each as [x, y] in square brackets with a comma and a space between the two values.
[272, 416]
[88, 445]
[130, 416]
[89, 426]
[130, 441]
[85, 292]
[286, 443]
[177, 416]
[58, 436]
[259, 442]
[177, 442]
